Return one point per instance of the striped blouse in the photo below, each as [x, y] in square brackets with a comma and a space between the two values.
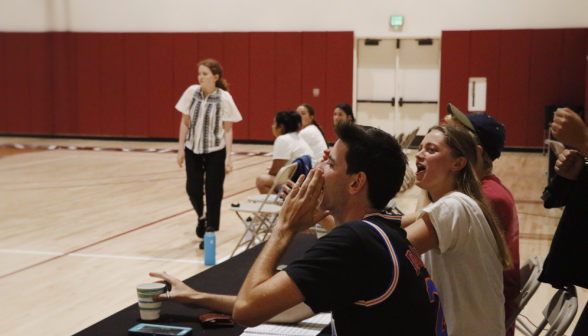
[206, 133]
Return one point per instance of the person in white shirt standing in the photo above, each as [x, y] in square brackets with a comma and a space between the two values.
[458, 235]
[312, 133]
[287, 147]
[205, 141]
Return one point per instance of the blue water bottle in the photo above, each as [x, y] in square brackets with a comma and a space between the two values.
[209, 247]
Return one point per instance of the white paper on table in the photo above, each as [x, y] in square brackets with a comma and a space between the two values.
[310, 327]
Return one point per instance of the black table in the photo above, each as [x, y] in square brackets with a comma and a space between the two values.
[225, 278]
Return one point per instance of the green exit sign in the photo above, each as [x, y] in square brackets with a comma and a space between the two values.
[397, 20]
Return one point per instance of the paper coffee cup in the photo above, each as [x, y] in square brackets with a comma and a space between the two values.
[149, 309]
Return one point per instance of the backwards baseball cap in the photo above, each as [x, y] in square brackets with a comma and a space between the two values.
[491, 133]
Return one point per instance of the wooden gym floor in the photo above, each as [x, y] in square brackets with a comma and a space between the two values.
[82, 226]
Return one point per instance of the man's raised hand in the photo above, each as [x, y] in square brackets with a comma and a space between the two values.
[299, 209]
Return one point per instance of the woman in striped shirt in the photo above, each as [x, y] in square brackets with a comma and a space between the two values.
[205, 141]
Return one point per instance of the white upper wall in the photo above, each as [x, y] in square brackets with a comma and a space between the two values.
[367, 18]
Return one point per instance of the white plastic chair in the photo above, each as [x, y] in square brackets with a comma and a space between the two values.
[530, 272]
[393, 209]
[264, 213]
[283, 175]
[409, 138]
[559, 313]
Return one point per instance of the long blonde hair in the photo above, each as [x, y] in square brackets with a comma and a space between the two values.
[463, 144]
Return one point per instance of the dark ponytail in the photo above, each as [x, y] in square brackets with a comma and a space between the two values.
[216, 69]
[290, 120]
[314, 122]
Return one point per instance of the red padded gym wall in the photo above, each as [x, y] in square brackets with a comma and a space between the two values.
[40, 84]
[127, 84]
[112, 84]
[3, 79]
[64, 90]
[515, 53]
[88, 83]
[17, 95]
[211, 45]
[185, 70]
[136, 84]
[262, 81]
[544, 82]
[161, 86]
[339, 77]
[573, 67]
[455, 59]
[314, 75]
[288, 71]
[236, 71]
[485, 62]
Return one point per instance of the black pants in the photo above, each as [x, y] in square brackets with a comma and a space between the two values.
[209, 167]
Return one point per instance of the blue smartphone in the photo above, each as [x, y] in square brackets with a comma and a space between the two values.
[159, 330]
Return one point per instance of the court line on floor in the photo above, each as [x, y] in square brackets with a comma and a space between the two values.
[176, 171]
[118, 183]
[38, 162]
[113, 237]
[100, 256]
[114, 149]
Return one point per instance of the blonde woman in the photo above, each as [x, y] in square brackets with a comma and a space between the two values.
[458, 236]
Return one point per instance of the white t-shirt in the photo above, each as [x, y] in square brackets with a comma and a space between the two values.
[314, 138]
[289, 147]
[466, 267]
[206, 133]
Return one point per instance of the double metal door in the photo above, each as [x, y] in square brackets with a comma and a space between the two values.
[398, 84]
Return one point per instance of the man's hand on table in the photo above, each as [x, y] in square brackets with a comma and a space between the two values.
[180, 292]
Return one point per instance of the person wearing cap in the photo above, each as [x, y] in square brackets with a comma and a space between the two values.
[491, 137]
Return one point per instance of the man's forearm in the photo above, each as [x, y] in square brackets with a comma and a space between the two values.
[216, 302]
[263, 294]
[267, 261]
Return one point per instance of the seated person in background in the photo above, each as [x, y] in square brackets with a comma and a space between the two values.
[287, 147]
[490, 137]
[343, 112]
[365, 271]
[458, 234]
[312, 133]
